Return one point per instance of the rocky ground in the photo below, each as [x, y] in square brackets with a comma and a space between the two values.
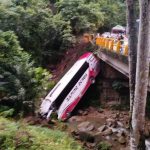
[97, 128]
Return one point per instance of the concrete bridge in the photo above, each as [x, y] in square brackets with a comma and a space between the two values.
[114, 54]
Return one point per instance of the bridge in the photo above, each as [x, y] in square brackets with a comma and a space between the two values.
[114, 53]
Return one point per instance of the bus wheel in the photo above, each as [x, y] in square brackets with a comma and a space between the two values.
[92, 80]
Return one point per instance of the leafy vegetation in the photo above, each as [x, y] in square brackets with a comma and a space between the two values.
[18, 136]
[21, 82]
[83, 16]
[104, 146]
[39, 32]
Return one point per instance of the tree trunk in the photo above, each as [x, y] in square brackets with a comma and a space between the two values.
[132, 55]
[142, 73]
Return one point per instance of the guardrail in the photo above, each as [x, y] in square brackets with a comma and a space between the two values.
[113, 45]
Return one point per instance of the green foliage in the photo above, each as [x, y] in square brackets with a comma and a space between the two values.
[83, 16]
[4, 108]
[7, 113]
[114, 12]
[18, 136]
[20, 81]
[39, 32]
[104, 146]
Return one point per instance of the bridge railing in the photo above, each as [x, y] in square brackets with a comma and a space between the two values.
[117, 46]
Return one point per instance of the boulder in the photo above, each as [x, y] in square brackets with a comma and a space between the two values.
[102, 128]
[85, 126]
[91, 145]
[109, 120]
[85, 113]
[75, 119]
[100, 110]
[122, 140]
[120, 124]
[80, 112]
[107, 132]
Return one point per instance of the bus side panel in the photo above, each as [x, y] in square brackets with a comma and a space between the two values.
[74, 96]
[67, 107]
[73, 105]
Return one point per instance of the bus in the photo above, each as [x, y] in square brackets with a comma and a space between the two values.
[66, 94]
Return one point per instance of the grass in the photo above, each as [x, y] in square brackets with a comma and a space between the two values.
[104, 146]
[19, 136]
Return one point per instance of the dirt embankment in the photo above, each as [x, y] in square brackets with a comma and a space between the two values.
[69, 58]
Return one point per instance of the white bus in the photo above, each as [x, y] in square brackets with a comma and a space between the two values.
[68, 91]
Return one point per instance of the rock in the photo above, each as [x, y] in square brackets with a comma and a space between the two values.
[85, 113]
[80, 112]
[100, 110]
[114, 130]
[91, 145]
[107, 132]
[97, 134]
[110, 120]
[109, 124]
[122, 140]
[107, 138]
[121, 133]
[147, 143]
[75, 119]
[117, 115]
[120, 124]
[85, 126]
[102, 128]
[121, 119]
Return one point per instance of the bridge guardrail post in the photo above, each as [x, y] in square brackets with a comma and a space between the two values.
[126, 50]
[118, 47]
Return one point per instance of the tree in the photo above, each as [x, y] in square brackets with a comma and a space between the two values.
[83, 16]
[44, 35]
[142, 73]
[21, 84]
[114, 13]
[132, 55]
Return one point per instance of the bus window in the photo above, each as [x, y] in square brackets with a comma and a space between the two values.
[71, 84]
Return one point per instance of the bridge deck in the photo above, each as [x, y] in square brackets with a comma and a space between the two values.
[118, 64]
